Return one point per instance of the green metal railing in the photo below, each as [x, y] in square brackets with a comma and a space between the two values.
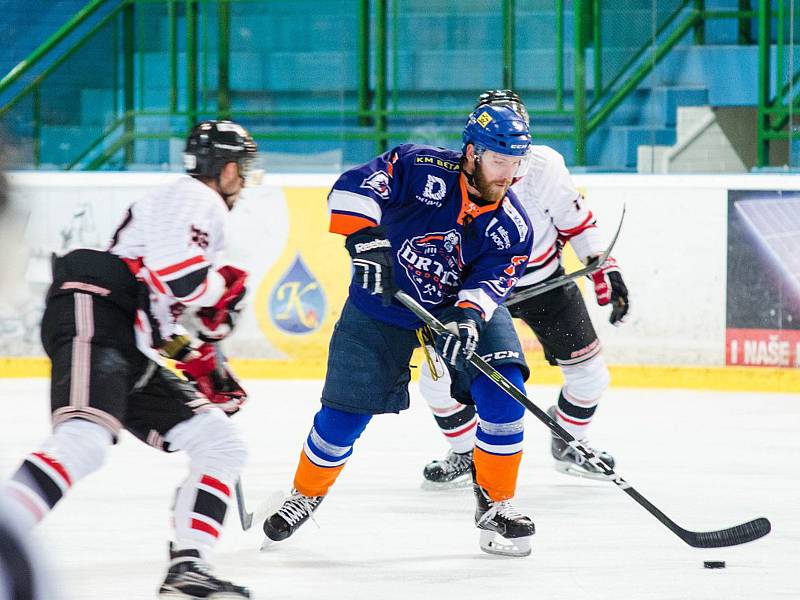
[200, 67]
[778, 99]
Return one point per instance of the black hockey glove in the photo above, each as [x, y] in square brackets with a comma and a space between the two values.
[610, 287]
[464, 330]
[372, 262]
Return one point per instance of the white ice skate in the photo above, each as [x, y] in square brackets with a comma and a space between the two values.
[452, 472]
[571, 462]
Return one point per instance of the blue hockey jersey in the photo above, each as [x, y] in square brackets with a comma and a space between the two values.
[446, 248]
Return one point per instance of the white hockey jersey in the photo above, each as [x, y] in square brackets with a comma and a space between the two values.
[173, 240]
[558, 214]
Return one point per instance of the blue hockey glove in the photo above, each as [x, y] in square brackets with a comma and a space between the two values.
[372, 262]
[464, 329]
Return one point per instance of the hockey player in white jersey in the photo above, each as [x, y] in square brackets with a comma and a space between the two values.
[23, 576]
[109, 313]
[558, 318]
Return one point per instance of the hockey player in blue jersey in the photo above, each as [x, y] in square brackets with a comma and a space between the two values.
[443, 227]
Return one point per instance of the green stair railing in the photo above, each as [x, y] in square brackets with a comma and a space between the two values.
[201, 66]
[776, 109]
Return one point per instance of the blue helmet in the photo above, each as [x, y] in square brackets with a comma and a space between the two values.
[497, 128]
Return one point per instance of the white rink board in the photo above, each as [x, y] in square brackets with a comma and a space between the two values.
[713, 460]
[672, 251]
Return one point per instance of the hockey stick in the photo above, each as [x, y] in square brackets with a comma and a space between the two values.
[245, 518]
[732, 536]
[545, 286]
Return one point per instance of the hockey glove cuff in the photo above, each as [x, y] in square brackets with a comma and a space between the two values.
[373, 268]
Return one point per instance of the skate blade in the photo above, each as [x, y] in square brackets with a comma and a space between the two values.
[574, 470]
[494, 543]
[266, 508]
[217, 596]
[267, 545]
[456, 484]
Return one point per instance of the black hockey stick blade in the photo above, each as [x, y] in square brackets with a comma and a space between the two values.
[545, 286]
[245, 518]
[733, 536]
[738, 534]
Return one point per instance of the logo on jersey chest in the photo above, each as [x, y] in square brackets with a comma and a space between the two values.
[434, 192]
[433, 263]
[435, 161]
[499, 236]
[199, 237]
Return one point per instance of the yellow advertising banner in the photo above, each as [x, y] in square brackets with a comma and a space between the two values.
[298, 301]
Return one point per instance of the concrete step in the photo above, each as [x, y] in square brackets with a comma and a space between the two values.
[666, 101]
[623, 142]
[701, 147]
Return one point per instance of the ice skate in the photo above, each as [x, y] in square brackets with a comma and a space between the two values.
[189, 578]
[453, 471]
[504, 530]
[295, 510]
[571, 462]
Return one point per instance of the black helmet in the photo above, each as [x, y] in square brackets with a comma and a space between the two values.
[504, 98]
[213, 144]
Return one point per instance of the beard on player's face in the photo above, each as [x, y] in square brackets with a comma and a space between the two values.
[490, 186]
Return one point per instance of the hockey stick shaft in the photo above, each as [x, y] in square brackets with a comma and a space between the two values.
[739, 534]
[245, 518]
[540, 288]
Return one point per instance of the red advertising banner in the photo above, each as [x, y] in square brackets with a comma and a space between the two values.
[762, 347]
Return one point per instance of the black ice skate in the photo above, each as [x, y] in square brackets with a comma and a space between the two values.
[189, 578]
[571, 462]
[451, 472]
[505, 530]
[294, 511]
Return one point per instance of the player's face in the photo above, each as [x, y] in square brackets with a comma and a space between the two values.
[494, 174]
[231, 182]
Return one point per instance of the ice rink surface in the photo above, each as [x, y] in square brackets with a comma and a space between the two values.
[709, 460]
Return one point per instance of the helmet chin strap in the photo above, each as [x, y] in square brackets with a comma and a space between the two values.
[471, 176]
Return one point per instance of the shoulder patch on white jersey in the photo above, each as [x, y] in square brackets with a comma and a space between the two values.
[516, 218]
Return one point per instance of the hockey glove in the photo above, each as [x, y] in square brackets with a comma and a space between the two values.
[372, 262]
[214, 379]
[217, 322]
[609, 287]
[458, 345]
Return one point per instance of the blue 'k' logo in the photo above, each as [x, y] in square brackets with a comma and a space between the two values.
[297, 304]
